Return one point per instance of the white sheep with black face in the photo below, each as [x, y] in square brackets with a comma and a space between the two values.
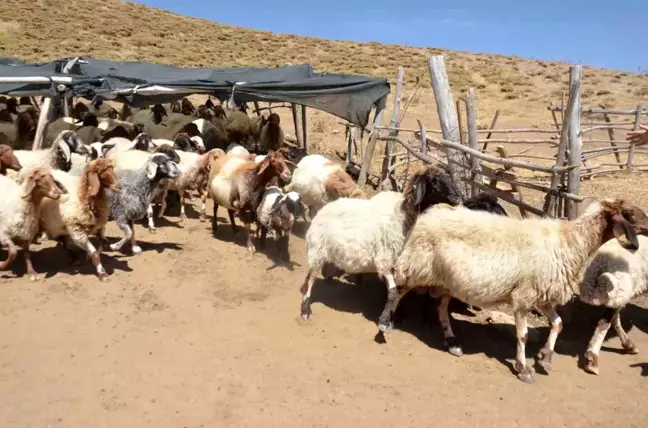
[277, 213]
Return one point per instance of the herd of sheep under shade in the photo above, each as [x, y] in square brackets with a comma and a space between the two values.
[426, 237]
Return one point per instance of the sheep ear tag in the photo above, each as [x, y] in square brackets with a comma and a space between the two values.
[421, 186]
[151, 170]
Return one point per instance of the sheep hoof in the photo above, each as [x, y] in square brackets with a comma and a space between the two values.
[591, 363]
[526, 376]
[152, 230]
[33, 278]
[114, 247]
[544, 359]
[203, 218]
[456, 351]
[306, 312]
[136, 249]
[103, 277]
[385, 327]
[630, 348]
[251, 248]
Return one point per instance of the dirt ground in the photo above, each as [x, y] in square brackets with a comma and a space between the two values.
[197, 332]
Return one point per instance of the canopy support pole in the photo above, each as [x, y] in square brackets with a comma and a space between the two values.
[295, 116]
[304, 129]
[42, 121]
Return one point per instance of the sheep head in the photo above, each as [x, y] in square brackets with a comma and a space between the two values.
[624, 221]
[169, 151]
[161, 166]
[277, 164]
[8, 160]
[72, 142]
[12, 105]
[291, 200]
[183, 142]
[187, 108]
[101, 173]
[39, 183]
[430, 186]
[485, 202]
[27, 121]
[158, 112]
[143, 142]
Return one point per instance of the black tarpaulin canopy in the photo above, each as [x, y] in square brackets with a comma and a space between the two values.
[350, 97]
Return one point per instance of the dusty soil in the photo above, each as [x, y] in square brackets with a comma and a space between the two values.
[197, 332]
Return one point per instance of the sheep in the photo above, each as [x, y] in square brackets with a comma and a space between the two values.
[84, 211]
[219, 111]
[80, 110]
[8, 160]
[360, 236]
[186, 107]
[117, 145]
[270, 135]
[22, 132]
[614, 277]
[20, 212]
[131, 202]
[104, 110]
[277, 213]
[483, 259]
[124, 131]
[59, 156]
[238, 185]
[194, 172]
[320, 181]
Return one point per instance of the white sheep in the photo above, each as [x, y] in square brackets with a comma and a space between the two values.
[20, 212]
[319, 181]
[83, 211]
[365, 235]
[117, 145]
[277, 213]
[58, 156]
[485, 259]
[614, 277]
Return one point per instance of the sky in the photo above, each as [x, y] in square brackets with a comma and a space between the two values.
[591, 32]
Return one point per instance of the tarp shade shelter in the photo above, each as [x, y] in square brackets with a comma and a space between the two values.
[349, 97]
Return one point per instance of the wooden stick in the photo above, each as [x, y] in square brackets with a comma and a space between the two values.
[43, 118]
[471, 118]
[602, 111]
[393, 123]
[575, 144]
[371, 146]
[479, 131]
[447, 112]
[550, 202]
[423, 132]
[511, 200]
[636, 128]
[462, 138]
[491, 129]
[553, 115]
[505, 140]
[562, 106]
[599, 127]
[257, 110]
[304, 124]
[296, 123]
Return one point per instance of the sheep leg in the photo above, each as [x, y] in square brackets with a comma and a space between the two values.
[393, 297]
[232, 223]
[163, 204]
[12, 252]
[203, 207]
[94, 256]
[128, 233]
[521, 327]
[33, 276]
[102, 239]
[284, 247]
[248, 229]
[307, 287]
[149, 216]
[448, 335]
[134, 247]
[263, 231]
[183, 215]
[545, 354]
[594, 346]
[627, 344]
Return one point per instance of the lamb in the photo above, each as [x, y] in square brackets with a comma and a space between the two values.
[131, 202]
[366, 235]
[59, 156]
[613, 279]
[320, 181]
[270, 135]
[84, 211]
[483, 259]
[8, 160]
[277, 213]
[20, 212]
[238, 185]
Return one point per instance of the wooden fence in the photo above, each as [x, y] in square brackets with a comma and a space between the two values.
[466, 157]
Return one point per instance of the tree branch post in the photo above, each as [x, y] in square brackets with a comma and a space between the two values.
[371, 145]
[393, 123]
[298, 135]
[447, 114]
[471, 118]
[575, 142]
[632, 147]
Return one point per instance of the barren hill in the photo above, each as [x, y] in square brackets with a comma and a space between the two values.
[113, 29]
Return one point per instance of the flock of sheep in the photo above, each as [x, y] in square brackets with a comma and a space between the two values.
[100, 164]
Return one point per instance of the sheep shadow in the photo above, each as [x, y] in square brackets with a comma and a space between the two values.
[55, 259]
[299, 229]
[643, 367]
[272, 251]
[158, 247]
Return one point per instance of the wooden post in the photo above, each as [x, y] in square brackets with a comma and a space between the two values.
[256, 108]
[447, 114]
[371, 145]
[424, 147]
[462, 138]
[553, 115]
[42, 122]
[304, 129]
[575, 143]
[387, 160]
[471, 118]
[550, 200]
[492, 126]
[298, 135]
[632, 147]
[351, 131]
[610, 132]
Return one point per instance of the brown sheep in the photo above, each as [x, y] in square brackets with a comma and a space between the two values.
[7, 158]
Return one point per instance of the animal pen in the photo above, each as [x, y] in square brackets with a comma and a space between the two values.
[474, 169]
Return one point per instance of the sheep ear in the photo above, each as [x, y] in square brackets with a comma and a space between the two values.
[151, 170]
[624, 233]
[264, 165]
[421, 187]
[61, 187]
[93, 181]
[29, 187]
